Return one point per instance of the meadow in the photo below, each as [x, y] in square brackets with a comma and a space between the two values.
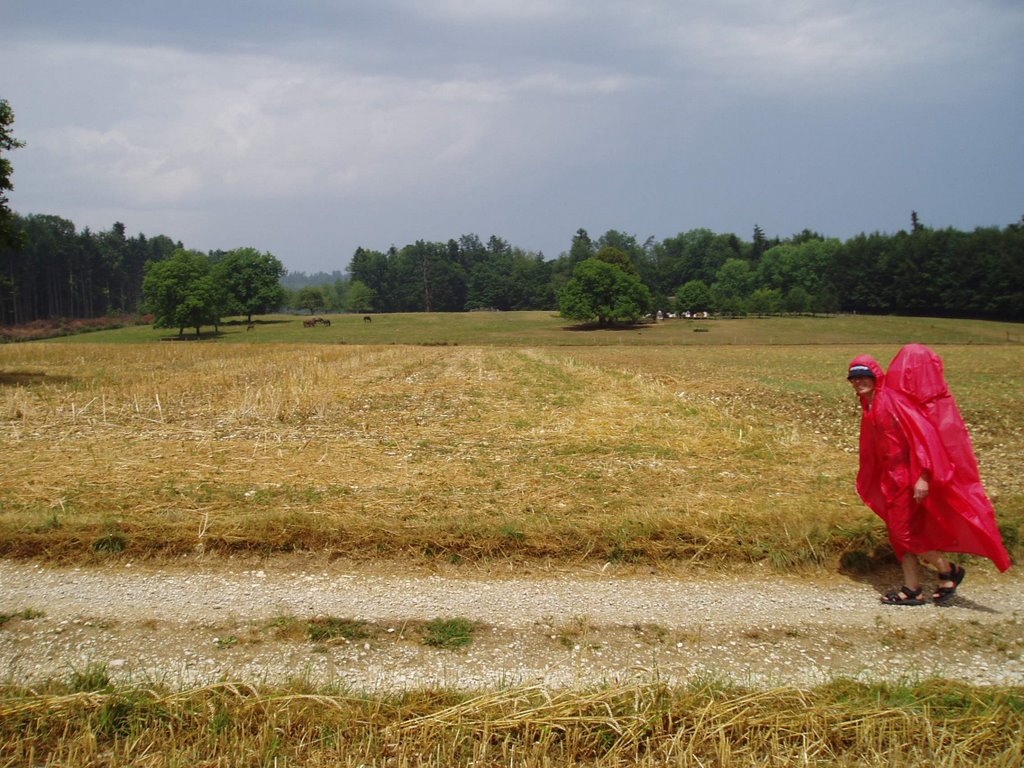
[544, 329]
[473, 440]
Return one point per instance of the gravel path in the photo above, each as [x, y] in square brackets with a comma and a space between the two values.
[199, 622]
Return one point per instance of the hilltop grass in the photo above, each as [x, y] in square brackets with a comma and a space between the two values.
[517, 329]
[624, 452]
[89, 721]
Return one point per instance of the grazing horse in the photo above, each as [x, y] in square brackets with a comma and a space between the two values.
[309, 322]
[367, 319]
[324, 321]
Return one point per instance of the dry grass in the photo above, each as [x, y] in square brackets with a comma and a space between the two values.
[704, 454]
[934, 724]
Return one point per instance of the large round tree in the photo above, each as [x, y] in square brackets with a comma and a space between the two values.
[181, 292]
[252, 281]
[605, 293]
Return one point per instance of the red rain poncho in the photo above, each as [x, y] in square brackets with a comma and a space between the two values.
[913, 424]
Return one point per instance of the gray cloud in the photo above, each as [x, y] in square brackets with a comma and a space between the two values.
[311, 128]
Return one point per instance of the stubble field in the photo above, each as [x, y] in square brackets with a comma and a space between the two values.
[708, 453]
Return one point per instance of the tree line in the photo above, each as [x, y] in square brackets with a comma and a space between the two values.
[924, 271]
[49, 269]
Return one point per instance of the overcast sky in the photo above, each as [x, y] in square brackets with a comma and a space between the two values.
[308, 128]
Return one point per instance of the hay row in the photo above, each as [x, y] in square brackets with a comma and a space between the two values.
[844, 723]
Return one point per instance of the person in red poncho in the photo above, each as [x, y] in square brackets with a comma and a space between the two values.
[918, 471]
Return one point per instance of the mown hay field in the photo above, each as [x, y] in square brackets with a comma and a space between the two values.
[650, 450]
[933, 724]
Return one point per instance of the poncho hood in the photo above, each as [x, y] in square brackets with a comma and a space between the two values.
[876, 369]
[917, 372]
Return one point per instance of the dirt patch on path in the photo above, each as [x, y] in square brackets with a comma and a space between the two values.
[203, 621]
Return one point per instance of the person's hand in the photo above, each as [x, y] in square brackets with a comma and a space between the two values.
[920, 490]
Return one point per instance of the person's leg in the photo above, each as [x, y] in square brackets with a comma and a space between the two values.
[938, 561]
[950, 575]
[897, 520]
[910, 592]
[911, 570]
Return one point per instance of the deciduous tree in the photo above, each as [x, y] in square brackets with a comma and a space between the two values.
[312, 298]
[360, 297]
[252, 281]
[603, 292]
[694, 296]
[9, 235]
[181, 292]
[732, 287]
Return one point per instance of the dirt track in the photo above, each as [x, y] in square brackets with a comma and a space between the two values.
[203, 621]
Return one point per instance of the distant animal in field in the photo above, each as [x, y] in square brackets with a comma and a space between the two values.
[249, 327]
[309, 322]
[367, 319]
[324, 321]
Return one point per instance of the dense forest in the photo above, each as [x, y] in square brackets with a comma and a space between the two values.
[53, 270]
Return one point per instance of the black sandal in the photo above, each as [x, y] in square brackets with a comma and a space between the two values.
[904, 596]
[956, 576]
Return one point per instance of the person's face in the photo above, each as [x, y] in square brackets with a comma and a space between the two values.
[864, 386]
